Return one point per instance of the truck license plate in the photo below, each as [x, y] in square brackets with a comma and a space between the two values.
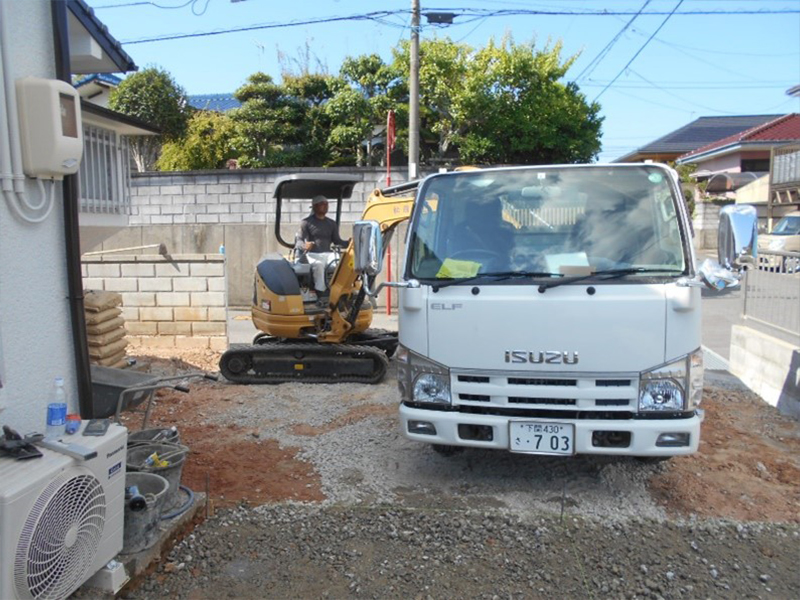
[542, 437]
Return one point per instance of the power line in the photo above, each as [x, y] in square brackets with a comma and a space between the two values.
[694, 85]
[374, 16]
[661, 104]
[666, 91]
[127, 4]
[639, 51]
[470, 14]
[597, 59]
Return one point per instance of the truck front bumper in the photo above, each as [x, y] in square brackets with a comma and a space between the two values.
[643, 433]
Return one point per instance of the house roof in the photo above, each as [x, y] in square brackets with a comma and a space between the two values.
[84, 55]
[699, 132]
[215, 102]
[100, 78]
[122, 124]
[782, 129]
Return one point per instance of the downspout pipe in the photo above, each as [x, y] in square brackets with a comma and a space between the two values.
[72, 233]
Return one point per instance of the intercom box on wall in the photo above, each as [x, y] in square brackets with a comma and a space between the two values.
[51, 133]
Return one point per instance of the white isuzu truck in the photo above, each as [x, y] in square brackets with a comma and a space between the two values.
[554, 309]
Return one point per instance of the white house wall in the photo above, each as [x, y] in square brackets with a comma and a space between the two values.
[35, 330]
[730, 163]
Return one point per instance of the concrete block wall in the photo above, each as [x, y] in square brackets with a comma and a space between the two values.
[706, 225]
[197, 212]
[236, 196]
[769, 366]
[173, 301]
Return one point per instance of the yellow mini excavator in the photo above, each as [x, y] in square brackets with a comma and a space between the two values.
[300, 339]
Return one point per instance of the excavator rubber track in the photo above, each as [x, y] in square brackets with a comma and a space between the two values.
[274, 361]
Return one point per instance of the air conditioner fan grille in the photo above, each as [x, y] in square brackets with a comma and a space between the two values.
[60, 538]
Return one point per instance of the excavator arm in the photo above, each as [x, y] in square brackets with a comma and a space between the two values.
[389, 211]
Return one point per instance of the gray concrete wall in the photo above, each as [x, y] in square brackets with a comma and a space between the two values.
[769, 366]
[706, 225]
[197, 212]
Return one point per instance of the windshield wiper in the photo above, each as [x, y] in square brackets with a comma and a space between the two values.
[493, 276]
[605, 274]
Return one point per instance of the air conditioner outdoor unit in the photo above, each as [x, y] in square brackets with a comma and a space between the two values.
[61, 519]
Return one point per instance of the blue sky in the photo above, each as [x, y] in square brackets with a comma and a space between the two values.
[695, 65]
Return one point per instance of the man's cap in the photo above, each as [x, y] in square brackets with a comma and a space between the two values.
[317, 199]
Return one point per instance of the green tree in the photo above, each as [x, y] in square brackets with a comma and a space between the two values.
[350, 116]
[269, 130]
[444, 66]
[312, 90]
[152, 96]
[514, 109]
[688, 183]
[208, 144]
[366, 90]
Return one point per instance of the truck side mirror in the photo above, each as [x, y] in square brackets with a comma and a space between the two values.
[367, 247]
[737, 247]
[738, 235]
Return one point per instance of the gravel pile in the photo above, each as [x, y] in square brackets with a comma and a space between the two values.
[285, 551]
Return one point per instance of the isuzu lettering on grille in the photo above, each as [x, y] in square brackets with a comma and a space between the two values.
[543, 356]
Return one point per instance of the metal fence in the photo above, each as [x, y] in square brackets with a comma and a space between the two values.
[104, 173]
[772, 292]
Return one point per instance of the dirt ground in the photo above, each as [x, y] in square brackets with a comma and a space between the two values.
[747, 468]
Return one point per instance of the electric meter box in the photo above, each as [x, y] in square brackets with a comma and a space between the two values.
[50, 127]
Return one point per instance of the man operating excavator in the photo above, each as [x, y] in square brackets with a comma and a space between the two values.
[317, 234]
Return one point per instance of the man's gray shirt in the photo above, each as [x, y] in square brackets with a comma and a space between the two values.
[323, 232]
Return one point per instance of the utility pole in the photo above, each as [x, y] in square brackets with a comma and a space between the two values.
[413, 91]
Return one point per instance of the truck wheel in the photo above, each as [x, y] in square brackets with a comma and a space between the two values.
[447, 450]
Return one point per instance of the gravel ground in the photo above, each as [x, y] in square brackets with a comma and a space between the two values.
[316, 494]
[285, 551]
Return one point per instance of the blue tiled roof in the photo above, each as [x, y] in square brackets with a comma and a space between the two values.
[104, 77]
[215, 102]
[700, 132]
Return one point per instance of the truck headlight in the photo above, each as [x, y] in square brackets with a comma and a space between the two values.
[674, 387]
[421, 379]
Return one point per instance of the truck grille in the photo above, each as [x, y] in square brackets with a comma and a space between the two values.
[502, 393]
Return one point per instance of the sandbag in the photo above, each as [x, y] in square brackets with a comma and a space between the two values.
[105, 326]
[93, 318]
[96, 301]
[109, 350]
[104, 339]
[118, 360]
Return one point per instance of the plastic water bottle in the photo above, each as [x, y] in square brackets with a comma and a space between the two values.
[222, 249]
[57, 410]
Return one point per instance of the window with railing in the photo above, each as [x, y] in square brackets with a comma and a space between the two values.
[104, 177]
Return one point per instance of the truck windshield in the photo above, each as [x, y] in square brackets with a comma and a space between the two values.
[547, 222]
